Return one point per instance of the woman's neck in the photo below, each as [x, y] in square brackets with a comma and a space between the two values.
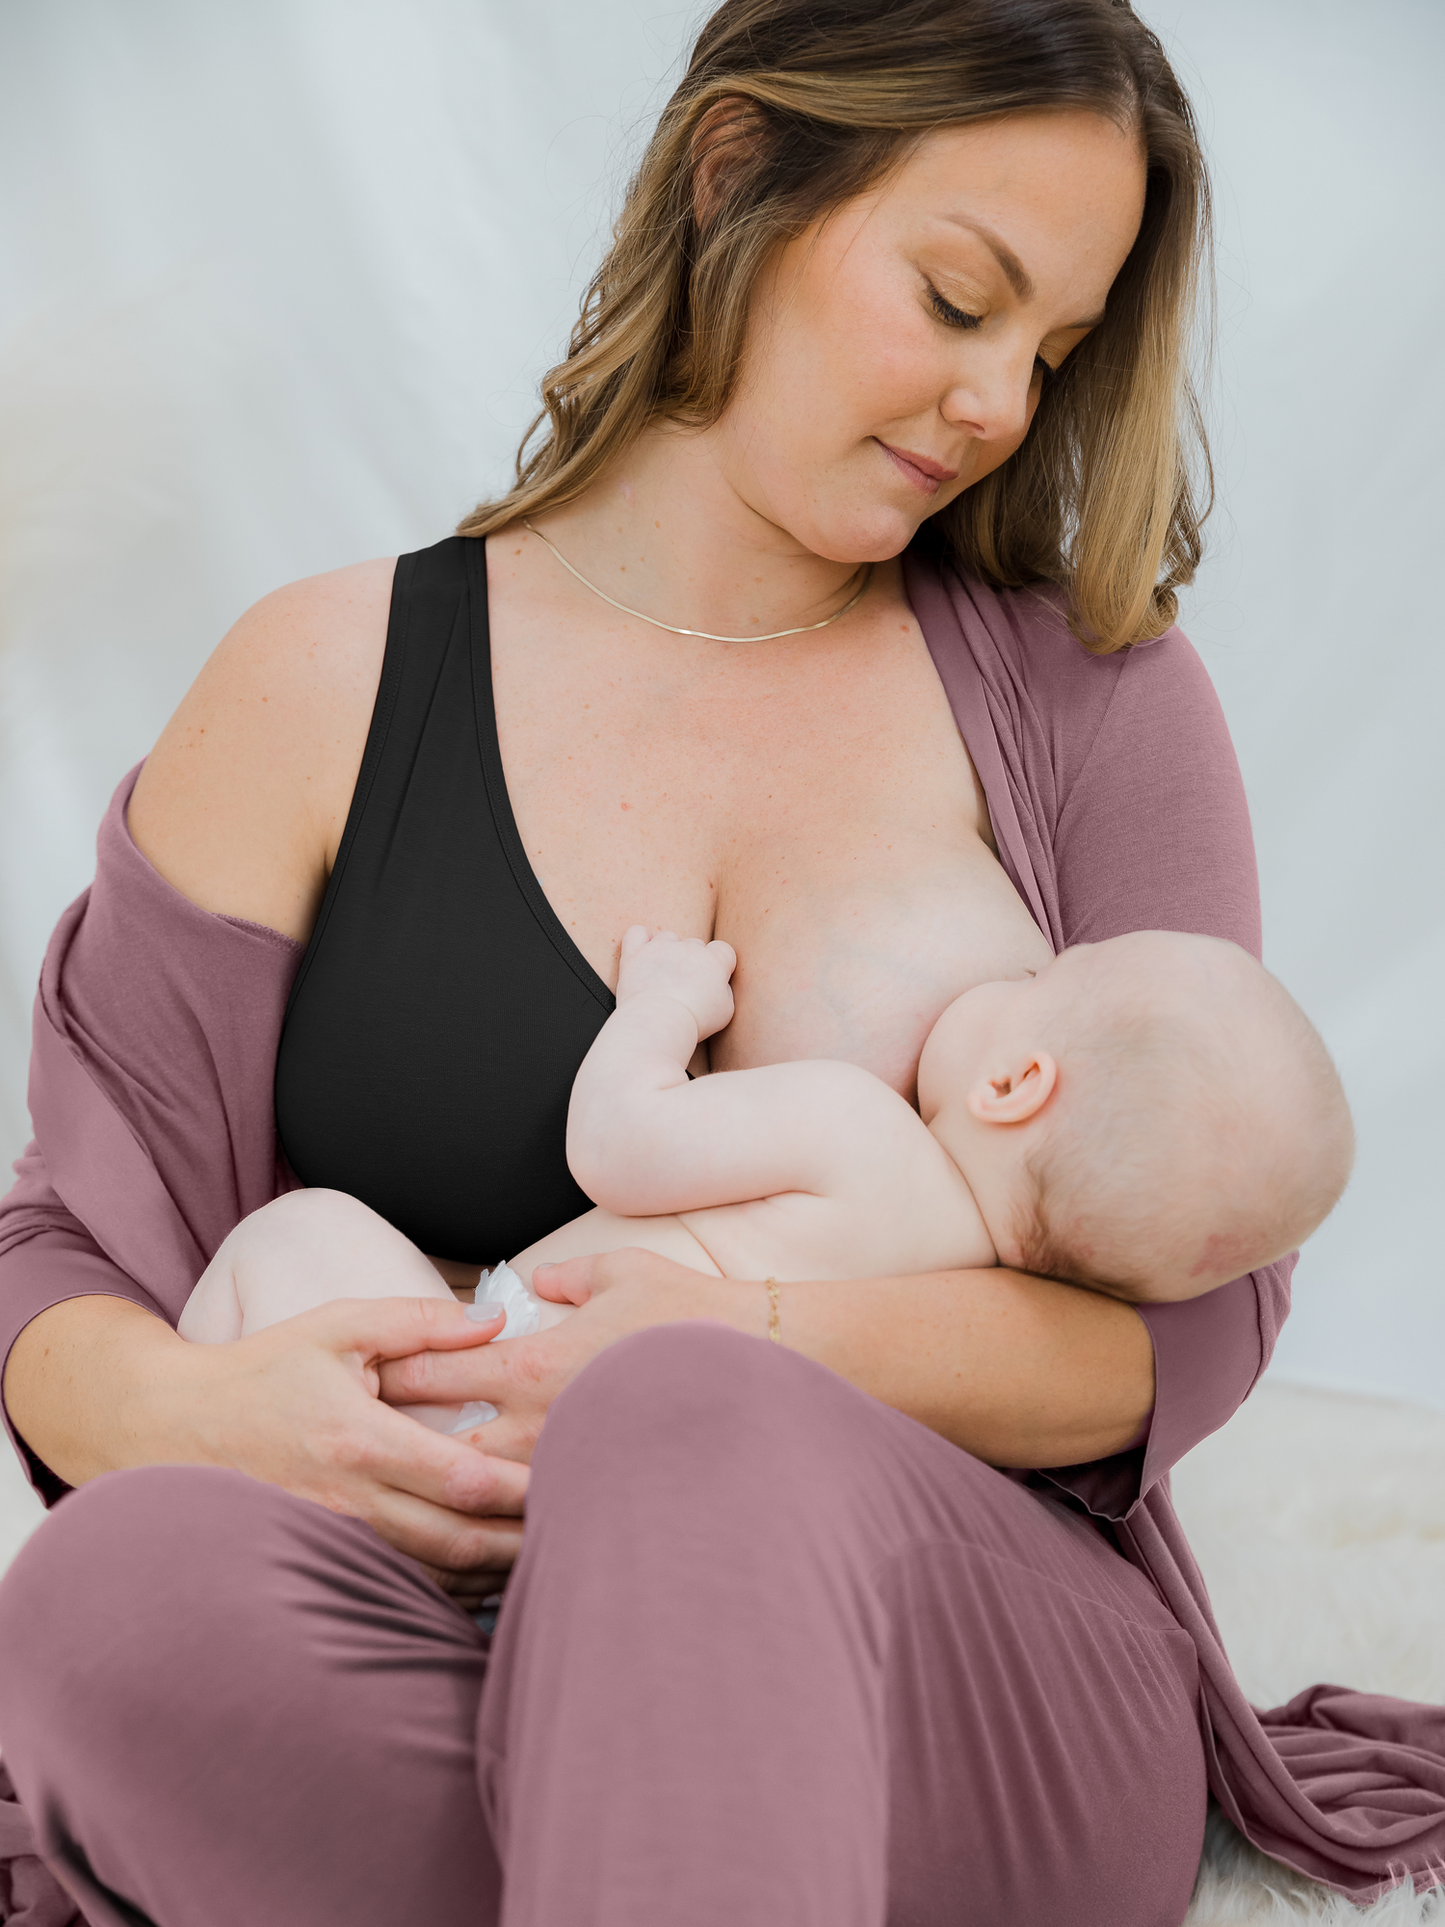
[678, 530]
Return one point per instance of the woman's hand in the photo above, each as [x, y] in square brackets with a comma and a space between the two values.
[618, 1292]
[1019, 1371]
[95, 1385]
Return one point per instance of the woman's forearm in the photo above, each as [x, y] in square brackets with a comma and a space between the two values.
[1020, 1371]
[88, 1386]
[97, 1385]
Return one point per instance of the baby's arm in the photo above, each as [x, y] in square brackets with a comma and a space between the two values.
[643, 1141]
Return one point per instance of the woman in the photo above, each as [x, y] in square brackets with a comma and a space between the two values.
[829, 1630]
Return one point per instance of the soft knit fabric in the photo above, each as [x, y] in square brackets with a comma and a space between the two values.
[1117, 805]
[835, 1674]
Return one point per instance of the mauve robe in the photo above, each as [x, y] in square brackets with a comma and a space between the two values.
[1117, 805]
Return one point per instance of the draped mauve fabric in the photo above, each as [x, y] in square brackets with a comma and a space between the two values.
[1117, 805]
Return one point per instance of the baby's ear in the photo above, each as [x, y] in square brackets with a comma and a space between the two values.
[1014, 1092]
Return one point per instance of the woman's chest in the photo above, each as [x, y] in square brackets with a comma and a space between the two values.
[815, 806]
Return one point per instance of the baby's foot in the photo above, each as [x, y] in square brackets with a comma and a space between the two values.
[693, 972]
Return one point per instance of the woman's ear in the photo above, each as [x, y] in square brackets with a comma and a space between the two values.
[726, 142]
[1014, 1093]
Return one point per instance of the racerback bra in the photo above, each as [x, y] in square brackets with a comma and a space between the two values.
[441, 1010]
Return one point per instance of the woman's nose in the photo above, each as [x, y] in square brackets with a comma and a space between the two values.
[992, 401]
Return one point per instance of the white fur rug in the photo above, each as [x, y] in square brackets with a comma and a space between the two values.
[1319, 1521]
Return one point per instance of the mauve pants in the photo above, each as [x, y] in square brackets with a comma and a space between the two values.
[773, 1654]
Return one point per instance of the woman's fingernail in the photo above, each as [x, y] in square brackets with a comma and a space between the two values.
[550, 1265]
[481, 1314]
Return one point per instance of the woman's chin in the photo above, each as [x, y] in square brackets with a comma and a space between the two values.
[875, 533]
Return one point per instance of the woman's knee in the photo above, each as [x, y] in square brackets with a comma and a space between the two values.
[194, 1661]
[693, 1381]
[93, 1598]
[710, 1418]
[144, 1586]
[119, 1527]
[698, 1419]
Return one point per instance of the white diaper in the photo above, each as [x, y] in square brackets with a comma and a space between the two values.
[499, 1289]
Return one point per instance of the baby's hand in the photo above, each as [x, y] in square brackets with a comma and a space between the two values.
[694, 972]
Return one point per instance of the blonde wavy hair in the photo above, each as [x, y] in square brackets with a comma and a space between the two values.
[820, 98]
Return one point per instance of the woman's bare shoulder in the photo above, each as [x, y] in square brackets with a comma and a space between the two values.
[242, 802]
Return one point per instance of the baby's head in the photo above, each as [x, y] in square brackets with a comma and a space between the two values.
[1154, 1115]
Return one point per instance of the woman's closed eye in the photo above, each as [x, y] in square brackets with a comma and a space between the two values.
[953, 317]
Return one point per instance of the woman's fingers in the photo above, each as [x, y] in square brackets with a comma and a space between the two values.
[445, 1541]
[647, 1290]
[450, 1378]
[439, 1500]
[575, 1281]
[407, 1458]
[397, 1327]
[567, 1283]
[470, 1590]
[618, 1291]
[505, 1438]
[295, 1405]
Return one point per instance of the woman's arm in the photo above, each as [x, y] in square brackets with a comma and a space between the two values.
[1020, 1371]
[153, 1054]
[242, 802]
[97, 1385]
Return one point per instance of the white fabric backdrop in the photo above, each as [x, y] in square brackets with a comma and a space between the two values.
[276, 283]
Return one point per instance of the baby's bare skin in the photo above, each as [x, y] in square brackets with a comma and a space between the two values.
[815, 1169]
[819, 1170]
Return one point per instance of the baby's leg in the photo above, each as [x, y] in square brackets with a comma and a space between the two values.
[300, 1251]
[600, 1230]
[304, 1250]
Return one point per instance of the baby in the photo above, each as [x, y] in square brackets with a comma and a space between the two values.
[1151, 1116]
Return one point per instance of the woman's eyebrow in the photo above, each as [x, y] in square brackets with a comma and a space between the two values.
[1018, 277]
[1014, 269]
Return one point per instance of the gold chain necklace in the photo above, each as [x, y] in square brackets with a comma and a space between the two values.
[804, 629]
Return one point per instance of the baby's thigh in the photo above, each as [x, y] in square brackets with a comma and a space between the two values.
[311, 1247]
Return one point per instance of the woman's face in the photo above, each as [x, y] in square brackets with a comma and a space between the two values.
[897, 350]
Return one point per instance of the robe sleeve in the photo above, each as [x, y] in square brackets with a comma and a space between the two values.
[1117, 805]
[47, 1256]
[1152, 832]
[156, 1029]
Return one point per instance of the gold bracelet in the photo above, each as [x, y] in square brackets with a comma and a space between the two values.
[773, 1332]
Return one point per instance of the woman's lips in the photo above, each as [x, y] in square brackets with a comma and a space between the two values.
[918, 469]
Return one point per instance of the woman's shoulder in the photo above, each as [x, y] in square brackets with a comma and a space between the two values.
[1016, 644]
[1025, 630]
[242, 802]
